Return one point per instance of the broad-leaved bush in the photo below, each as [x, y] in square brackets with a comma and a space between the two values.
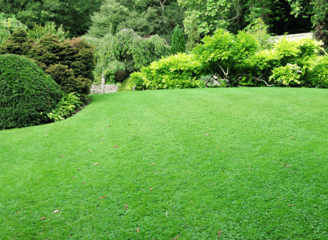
[224, 54]
[177, 71]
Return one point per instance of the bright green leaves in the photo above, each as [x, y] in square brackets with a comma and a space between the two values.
[177, 71]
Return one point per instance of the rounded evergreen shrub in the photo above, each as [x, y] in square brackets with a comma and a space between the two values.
[27, 93]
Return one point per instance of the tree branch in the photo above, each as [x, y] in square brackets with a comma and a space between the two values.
[257, 79]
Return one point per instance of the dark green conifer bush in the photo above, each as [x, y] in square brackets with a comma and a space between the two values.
[17, 43]
[71, 59]
[178, 42]
[27, 94]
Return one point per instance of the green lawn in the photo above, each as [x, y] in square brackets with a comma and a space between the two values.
[227, 163]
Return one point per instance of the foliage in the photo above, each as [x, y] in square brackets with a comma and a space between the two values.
[7, 26]
[73, 15]
[224, 54]
[107, 19]
[145, 17]
[191, 30]
[27, 94]
[176, 71]
[259, 30]
[127, 85]
[126, 52]
[17, 43]
[320, 20]
[178, 42]
[300, 55]
[286, 75]
[38, 31]
[70, 63]
[65, 107]
[318, 75]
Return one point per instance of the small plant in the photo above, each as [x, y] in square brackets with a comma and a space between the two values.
[65, 107]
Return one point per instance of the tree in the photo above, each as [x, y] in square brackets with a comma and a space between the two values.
[178, 43]
[75, 16]
[145, 17]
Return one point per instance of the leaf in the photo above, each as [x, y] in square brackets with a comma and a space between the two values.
[126, 207]
[150, 189]
[74, 177]
[56, 211]
[152, 164]
[137, 230]
[207, 134]
[116, 146]
[219, 233]
[42, 218]
[79, 169]
[96, 163]
[108, 125]
[288, 165]
[90, 150]
[103, 197]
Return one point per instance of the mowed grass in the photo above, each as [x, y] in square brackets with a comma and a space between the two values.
[233, 163]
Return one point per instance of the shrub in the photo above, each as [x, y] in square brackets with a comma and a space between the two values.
[65, 107]
[302, 53]
[70, 63]
[27, 94]
[177, 71]
[178, 43]
[18, 43]
[318, 76]
[224, 54]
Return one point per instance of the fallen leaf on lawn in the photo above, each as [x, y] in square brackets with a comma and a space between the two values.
[79, 169]
[250, 168]
[84, 183]
[290, 205]
[223, 151]
[166, 214]
[108, 125]
[207, 134]
[150, 189]
[177, 238]
[152, 164]
[116, 146]
[96, 163]
[42, 218]
[56, 211]
[103, 197]
[213, 183]
[90, 150]
[74, 177]
[62, 156]
[126, 207]
[101, 129]
[288, 165]
[102, 139]
[219, 233]
[137, 230]
[17, 213]
[45, 134]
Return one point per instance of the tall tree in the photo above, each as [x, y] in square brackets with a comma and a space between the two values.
[75, 16]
